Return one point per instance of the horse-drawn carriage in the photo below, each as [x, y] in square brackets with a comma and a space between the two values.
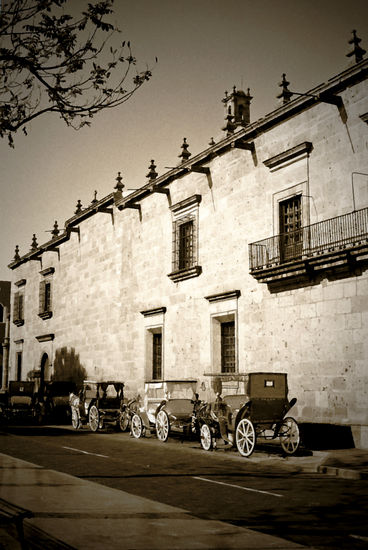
[260, 412]
[22, 402]
[99, 403]
[175, 411]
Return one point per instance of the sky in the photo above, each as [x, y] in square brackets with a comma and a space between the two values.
[204, 47]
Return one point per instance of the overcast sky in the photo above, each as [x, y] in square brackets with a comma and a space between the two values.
[204, 47]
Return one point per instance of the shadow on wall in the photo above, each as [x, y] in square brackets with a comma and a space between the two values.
[326, 436]
[68, 367]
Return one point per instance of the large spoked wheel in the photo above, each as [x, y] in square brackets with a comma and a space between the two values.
[76, 421]
[206, 438]
[124, 422]
[94, 418]
[245, 437]
[137, 426]
[162, 426]
[289, 435]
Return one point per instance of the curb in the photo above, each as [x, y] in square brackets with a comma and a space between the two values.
[343, 473]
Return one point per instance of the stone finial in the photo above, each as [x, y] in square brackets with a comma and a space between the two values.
[94, 200]
[211, 142]
[152, 174]
[285, 94]
[34, 244]
[78, 207]
[55, 232]
[119, 183]
[16, 254]
[357, 50]
[185, 153]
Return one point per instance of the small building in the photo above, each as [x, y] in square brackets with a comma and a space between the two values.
[249, 256]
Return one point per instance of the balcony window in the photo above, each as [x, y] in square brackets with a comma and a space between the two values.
[337, 243]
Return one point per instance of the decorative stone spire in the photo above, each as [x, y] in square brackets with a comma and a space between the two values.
[286, 94]
[152, 174]
[211, 142]
[95, 198]
[16, 255]
[55, 232]
[78, 207]
[185, 153]
[119, 183]
[357, 51]
[34, 244]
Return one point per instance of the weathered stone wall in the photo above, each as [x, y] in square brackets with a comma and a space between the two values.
[317, 333]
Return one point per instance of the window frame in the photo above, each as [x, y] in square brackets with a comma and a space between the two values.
[46, 294]
[184, 263]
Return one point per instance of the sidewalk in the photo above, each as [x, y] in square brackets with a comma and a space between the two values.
[59, 511]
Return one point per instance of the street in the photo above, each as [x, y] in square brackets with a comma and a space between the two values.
[262, 492]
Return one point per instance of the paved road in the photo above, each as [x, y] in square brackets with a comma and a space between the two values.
[260, 493]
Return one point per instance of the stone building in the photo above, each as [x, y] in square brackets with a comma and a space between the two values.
[250, 256]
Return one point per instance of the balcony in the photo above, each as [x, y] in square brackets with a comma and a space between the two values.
[337, 246]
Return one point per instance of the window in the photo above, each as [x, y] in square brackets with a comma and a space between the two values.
[45, 295]
[185, 239]
[157, 356]
[154, 321]
[185, 246]
[19, 365]
[2, 319]
[18, 308]
[291, 235]
[228, 346]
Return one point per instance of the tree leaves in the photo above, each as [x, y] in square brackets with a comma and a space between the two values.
[52, 61]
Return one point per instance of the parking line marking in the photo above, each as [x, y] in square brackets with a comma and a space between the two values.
[238, 487]
[84, 452]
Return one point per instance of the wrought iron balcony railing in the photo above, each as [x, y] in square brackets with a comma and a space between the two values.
[323, 237]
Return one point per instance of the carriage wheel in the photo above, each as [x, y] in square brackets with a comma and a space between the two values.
[124, 422]
[137, 426]
[94, 418]
[245, 437]
[76, 421]
[162, 426]
[289, 435]
[206, 438]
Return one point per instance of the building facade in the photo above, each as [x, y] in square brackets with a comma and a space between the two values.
[250, 256]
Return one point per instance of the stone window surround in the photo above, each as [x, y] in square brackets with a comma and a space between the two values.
[47, 279]
[223, 308]
[185, 210]
[154, 323]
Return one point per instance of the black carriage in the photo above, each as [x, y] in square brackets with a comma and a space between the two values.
[98, 403]
[22, 402]
[56, 399]
[261, 412]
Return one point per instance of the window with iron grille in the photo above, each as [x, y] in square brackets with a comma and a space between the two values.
[228, 346]
[186, 244]
[18, 308]
[45, 299]
[19, 365]
[185, 239]
[157, 356]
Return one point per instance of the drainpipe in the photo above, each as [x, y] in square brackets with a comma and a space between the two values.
[5, 346]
